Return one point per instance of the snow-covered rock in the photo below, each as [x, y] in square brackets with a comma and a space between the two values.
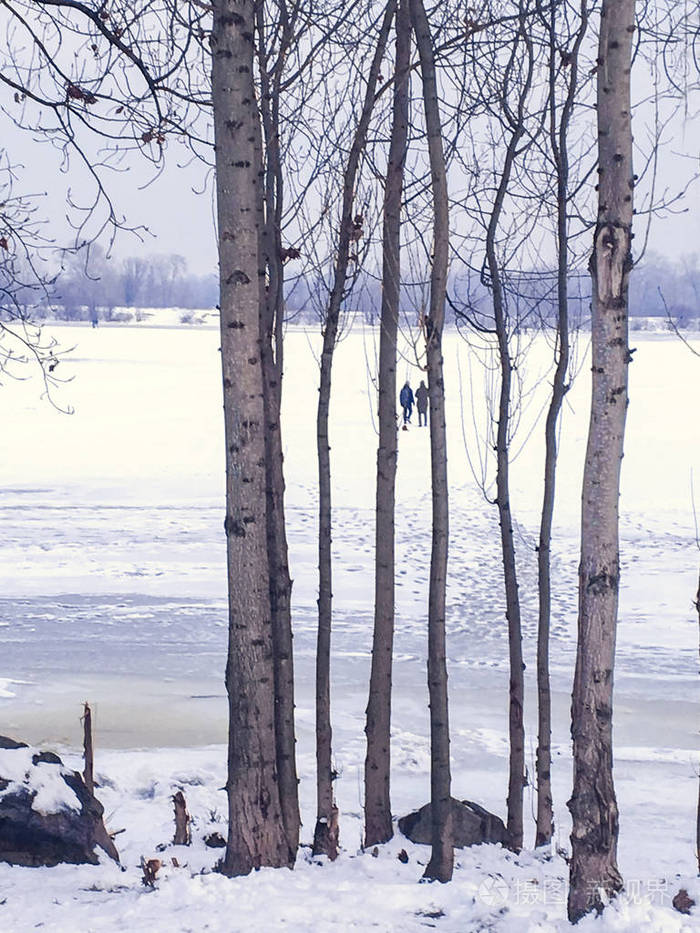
[472, 825]
[47, 814]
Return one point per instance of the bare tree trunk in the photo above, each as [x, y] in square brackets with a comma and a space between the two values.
[280, 598]
[442, 857]
[325, 841]
[697, 812]
[516, 731]
[516, 769]
[697, 831]
[378, 826]
[560, 153]
[271, 326]
[594, 873]
[256, 834]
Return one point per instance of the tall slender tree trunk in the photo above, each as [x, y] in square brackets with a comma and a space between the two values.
[441, 861]
[559, 142]
[271, 325]
[543, 763]
[378, 826]
[516, 730]
[594, 874]
[697, 812]
[280, 597]
[326, 831]
[256, 834]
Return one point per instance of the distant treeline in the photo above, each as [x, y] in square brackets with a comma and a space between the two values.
[95, 285]
[530, 297]
[659, 288]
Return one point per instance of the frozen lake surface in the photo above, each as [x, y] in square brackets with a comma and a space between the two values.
[113, 549]
[112, 565]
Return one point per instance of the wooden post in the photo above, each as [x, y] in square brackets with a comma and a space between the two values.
[88, 773]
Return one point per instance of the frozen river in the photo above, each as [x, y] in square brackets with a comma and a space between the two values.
[112, 567]
[112, 574]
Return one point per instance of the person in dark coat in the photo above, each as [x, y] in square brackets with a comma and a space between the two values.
[422, 404]
[406, 400]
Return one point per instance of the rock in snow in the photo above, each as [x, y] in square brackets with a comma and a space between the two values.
[47, 814]
[683, 902]
[471, 825]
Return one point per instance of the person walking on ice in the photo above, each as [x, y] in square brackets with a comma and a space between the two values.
[406, 400]
[422, 404]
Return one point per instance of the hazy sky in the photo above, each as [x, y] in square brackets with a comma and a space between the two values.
[178, 208]
[177, 205]
[179, 219]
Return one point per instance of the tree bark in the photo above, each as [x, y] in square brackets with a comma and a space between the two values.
[594, 874]
[271, 328]
[325, 842]
[559, 142]
[441, 861]
[378, 826]
[256, 834]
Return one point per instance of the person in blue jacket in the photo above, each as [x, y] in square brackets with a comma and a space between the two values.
[406, 400]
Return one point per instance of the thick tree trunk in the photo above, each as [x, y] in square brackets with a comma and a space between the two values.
[271, 325]
[325, 841]
[594, 873]
[378, 826]
[256, 834]
[442, 857]
[559, 141]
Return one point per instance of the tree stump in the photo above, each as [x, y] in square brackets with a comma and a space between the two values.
[182, 821]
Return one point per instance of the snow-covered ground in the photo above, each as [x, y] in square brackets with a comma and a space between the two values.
[112, 589]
